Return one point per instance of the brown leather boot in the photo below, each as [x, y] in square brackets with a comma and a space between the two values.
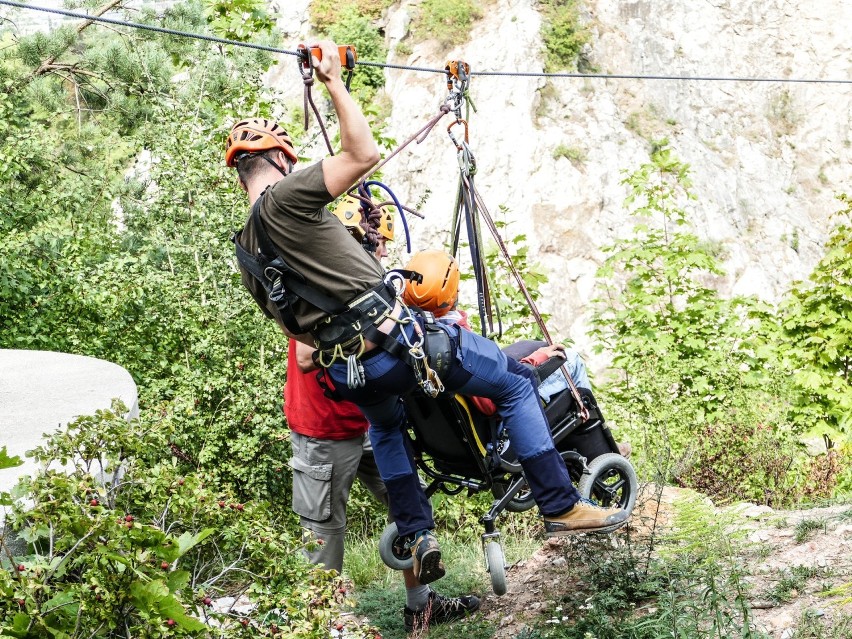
[426, 553]
[585, 517]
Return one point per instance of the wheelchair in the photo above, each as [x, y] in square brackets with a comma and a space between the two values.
[459, 449]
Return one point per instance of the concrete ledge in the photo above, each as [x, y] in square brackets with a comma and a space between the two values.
[41, 391]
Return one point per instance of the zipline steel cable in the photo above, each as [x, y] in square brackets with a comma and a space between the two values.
[401, 67]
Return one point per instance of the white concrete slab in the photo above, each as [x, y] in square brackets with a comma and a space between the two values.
[41, 391]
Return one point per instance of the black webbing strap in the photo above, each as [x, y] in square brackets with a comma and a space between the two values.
[282, 283]
[388, 342]
[407, 274]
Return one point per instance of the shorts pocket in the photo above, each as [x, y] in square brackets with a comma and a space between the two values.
[311, 489]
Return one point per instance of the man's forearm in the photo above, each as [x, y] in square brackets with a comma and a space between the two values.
[356, 139]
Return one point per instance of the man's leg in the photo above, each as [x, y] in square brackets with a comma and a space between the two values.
[423, 606]
[407, 501]
[323, 472]
[518, 404]
[379, 401]
[577, 369]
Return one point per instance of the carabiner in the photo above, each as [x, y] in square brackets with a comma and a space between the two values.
[304, 61]
[453, 138]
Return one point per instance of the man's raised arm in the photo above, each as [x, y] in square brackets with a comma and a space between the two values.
[358, 151]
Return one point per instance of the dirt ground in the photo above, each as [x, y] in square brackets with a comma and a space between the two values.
[772, 554]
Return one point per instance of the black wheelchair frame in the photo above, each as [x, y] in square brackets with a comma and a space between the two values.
[457, 448]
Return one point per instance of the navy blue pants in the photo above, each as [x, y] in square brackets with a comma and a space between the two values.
[479, 368]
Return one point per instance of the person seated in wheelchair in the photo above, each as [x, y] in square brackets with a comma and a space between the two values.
[437, 293]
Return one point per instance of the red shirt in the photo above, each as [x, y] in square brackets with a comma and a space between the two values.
[310, 413]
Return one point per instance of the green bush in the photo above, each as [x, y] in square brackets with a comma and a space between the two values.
[326, 13]
[353, 27]
[696, 382]
[129, 541]
[573, 154]
[816, 332]
[238, 19]
[447, 21]
[563, 33]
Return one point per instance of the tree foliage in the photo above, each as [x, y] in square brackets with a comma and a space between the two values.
[124, 543]
[817, 328]
[118, 210]
[699, 380]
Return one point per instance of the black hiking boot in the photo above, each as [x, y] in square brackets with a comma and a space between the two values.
[439, 609]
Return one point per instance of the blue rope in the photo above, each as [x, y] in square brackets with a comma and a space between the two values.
[367, 185]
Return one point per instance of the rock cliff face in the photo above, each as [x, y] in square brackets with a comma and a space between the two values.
[767, 158]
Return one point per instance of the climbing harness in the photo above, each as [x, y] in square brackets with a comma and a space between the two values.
[283, 285]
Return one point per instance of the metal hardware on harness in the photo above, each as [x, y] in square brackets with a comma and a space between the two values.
[428, 380]
[355, 377]
[342, 335]
[453, 138]
[458, 81]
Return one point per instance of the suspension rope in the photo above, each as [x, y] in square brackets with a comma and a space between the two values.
[471, 206]
[402, 67]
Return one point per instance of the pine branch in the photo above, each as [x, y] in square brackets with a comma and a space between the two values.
[47, 65]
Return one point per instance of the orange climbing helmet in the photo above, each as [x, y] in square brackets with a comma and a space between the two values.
[256, 135]
[439, 290]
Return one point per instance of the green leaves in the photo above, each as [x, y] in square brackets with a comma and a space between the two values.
[8, 462]
[188, 540]
[242, 20]
[816, 327]
[699, 379]
[155, 598]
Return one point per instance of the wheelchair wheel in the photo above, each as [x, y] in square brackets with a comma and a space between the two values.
[496, 566]
[392, 549]
[611, 482]
[520, 503]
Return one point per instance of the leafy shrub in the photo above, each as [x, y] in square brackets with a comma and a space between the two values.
[575, 155]
[353, 27]
[563, 33]
[326, 13]
[816, 332]
[237, 19]
[745, 454]
[697, 379]
[447, 21]
[129, 542]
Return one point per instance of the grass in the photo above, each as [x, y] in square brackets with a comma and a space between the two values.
[447, 21]
[381, 595]
[793, 582]
[573, 154]
[806, 528]
[615, 586]
[812, 625]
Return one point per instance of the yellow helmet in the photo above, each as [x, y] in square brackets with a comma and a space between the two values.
[386, 225]
[348, 211]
